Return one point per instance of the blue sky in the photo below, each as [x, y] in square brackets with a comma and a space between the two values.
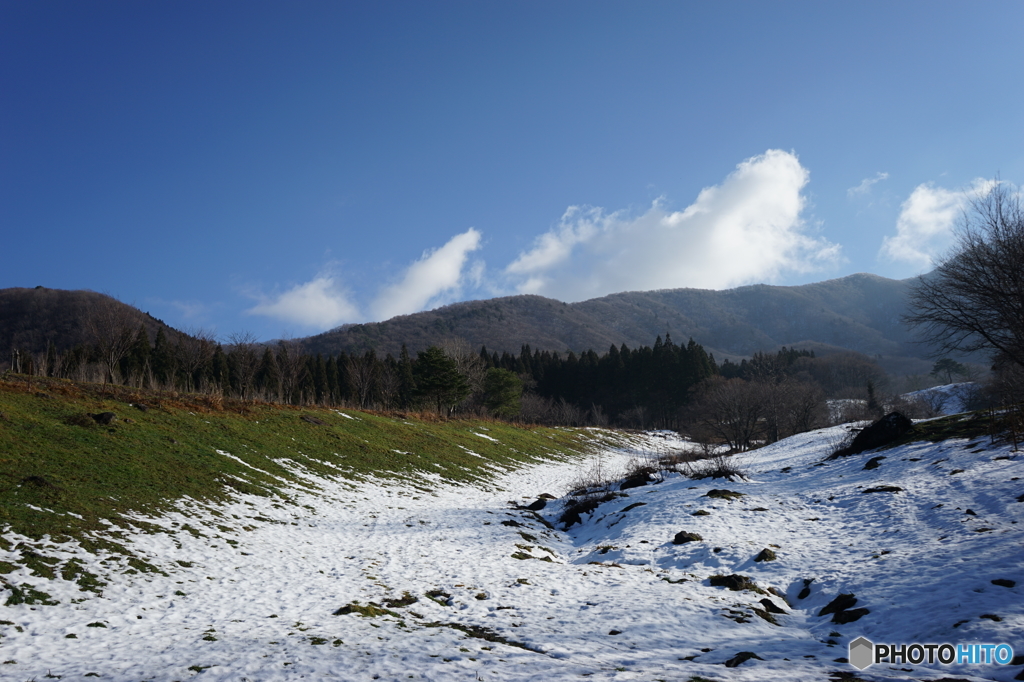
[282, 168]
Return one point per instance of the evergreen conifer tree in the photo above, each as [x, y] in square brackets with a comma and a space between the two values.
[438, 379]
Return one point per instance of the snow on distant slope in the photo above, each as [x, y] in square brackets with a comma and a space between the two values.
[948, 398]
[251, 592]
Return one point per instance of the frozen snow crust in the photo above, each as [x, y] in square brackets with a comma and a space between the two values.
[253, 592]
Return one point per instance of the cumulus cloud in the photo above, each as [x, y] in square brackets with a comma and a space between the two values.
[437, 276]
[865, 185]
[320, 303]
[747, 229]
[924, 228]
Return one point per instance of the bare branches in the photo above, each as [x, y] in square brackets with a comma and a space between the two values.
[975, 298]
[194, 349]
[114, 328]
[245, 356]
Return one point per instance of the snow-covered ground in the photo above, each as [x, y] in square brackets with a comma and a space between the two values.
[948, 398]
[251, 591]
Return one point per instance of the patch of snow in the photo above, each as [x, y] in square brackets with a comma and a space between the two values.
[261, 606]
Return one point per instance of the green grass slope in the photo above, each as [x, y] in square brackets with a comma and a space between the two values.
[65, 476]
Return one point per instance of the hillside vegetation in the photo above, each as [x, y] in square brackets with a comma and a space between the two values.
[859, 312]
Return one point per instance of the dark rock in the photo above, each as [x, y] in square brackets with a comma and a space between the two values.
[537, 505]
[701, 512]
[770, 606]
[141, 407]
[765, 555]
[970, 512]
[723, 494]
[874, 462]
[844, 617]
[576, 508]
[883, 489]
[310, 419]
[511, 522]
[734, 582]
[1003, 582]
[547, 496]
[765, 615]
[635, 482]
[615, 632]
[104, 418]
[806, 591]
[740, 658]
[684, 536]
[840, 603]
[882, 432]
[991, 616]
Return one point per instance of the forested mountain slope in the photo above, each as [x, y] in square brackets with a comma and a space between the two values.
[32, 318]
[859, 312]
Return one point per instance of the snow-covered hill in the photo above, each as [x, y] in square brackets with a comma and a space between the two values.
[324, 588]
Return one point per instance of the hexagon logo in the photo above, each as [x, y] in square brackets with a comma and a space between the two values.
[862, 653]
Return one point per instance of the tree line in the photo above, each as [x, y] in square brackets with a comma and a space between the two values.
[666, 385]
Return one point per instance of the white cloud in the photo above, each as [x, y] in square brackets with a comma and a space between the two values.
[436, 276]
[747, 229]
[924, 228]
[319, 303]
[865, 185]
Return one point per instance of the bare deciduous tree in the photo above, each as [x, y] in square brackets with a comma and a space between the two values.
[114, 329]
[974, 301]
[194, 349]
[292, 366]
[389, 386]
[245, 356]
[733, 410]
[362, 375]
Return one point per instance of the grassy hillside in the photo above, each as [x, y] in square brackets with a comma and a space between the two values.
[65, 475]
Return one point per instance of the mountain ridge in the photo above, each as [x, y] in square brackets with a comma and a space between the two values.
[860, 312]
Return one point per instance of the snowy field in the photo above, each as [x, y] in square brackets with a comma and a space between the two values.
[252, 591]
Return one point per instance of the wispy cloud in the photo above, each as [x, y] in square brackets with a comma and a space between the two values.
[320, 303]
[865, 185]
[438, 275]
[924, 228]
[747, 229]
